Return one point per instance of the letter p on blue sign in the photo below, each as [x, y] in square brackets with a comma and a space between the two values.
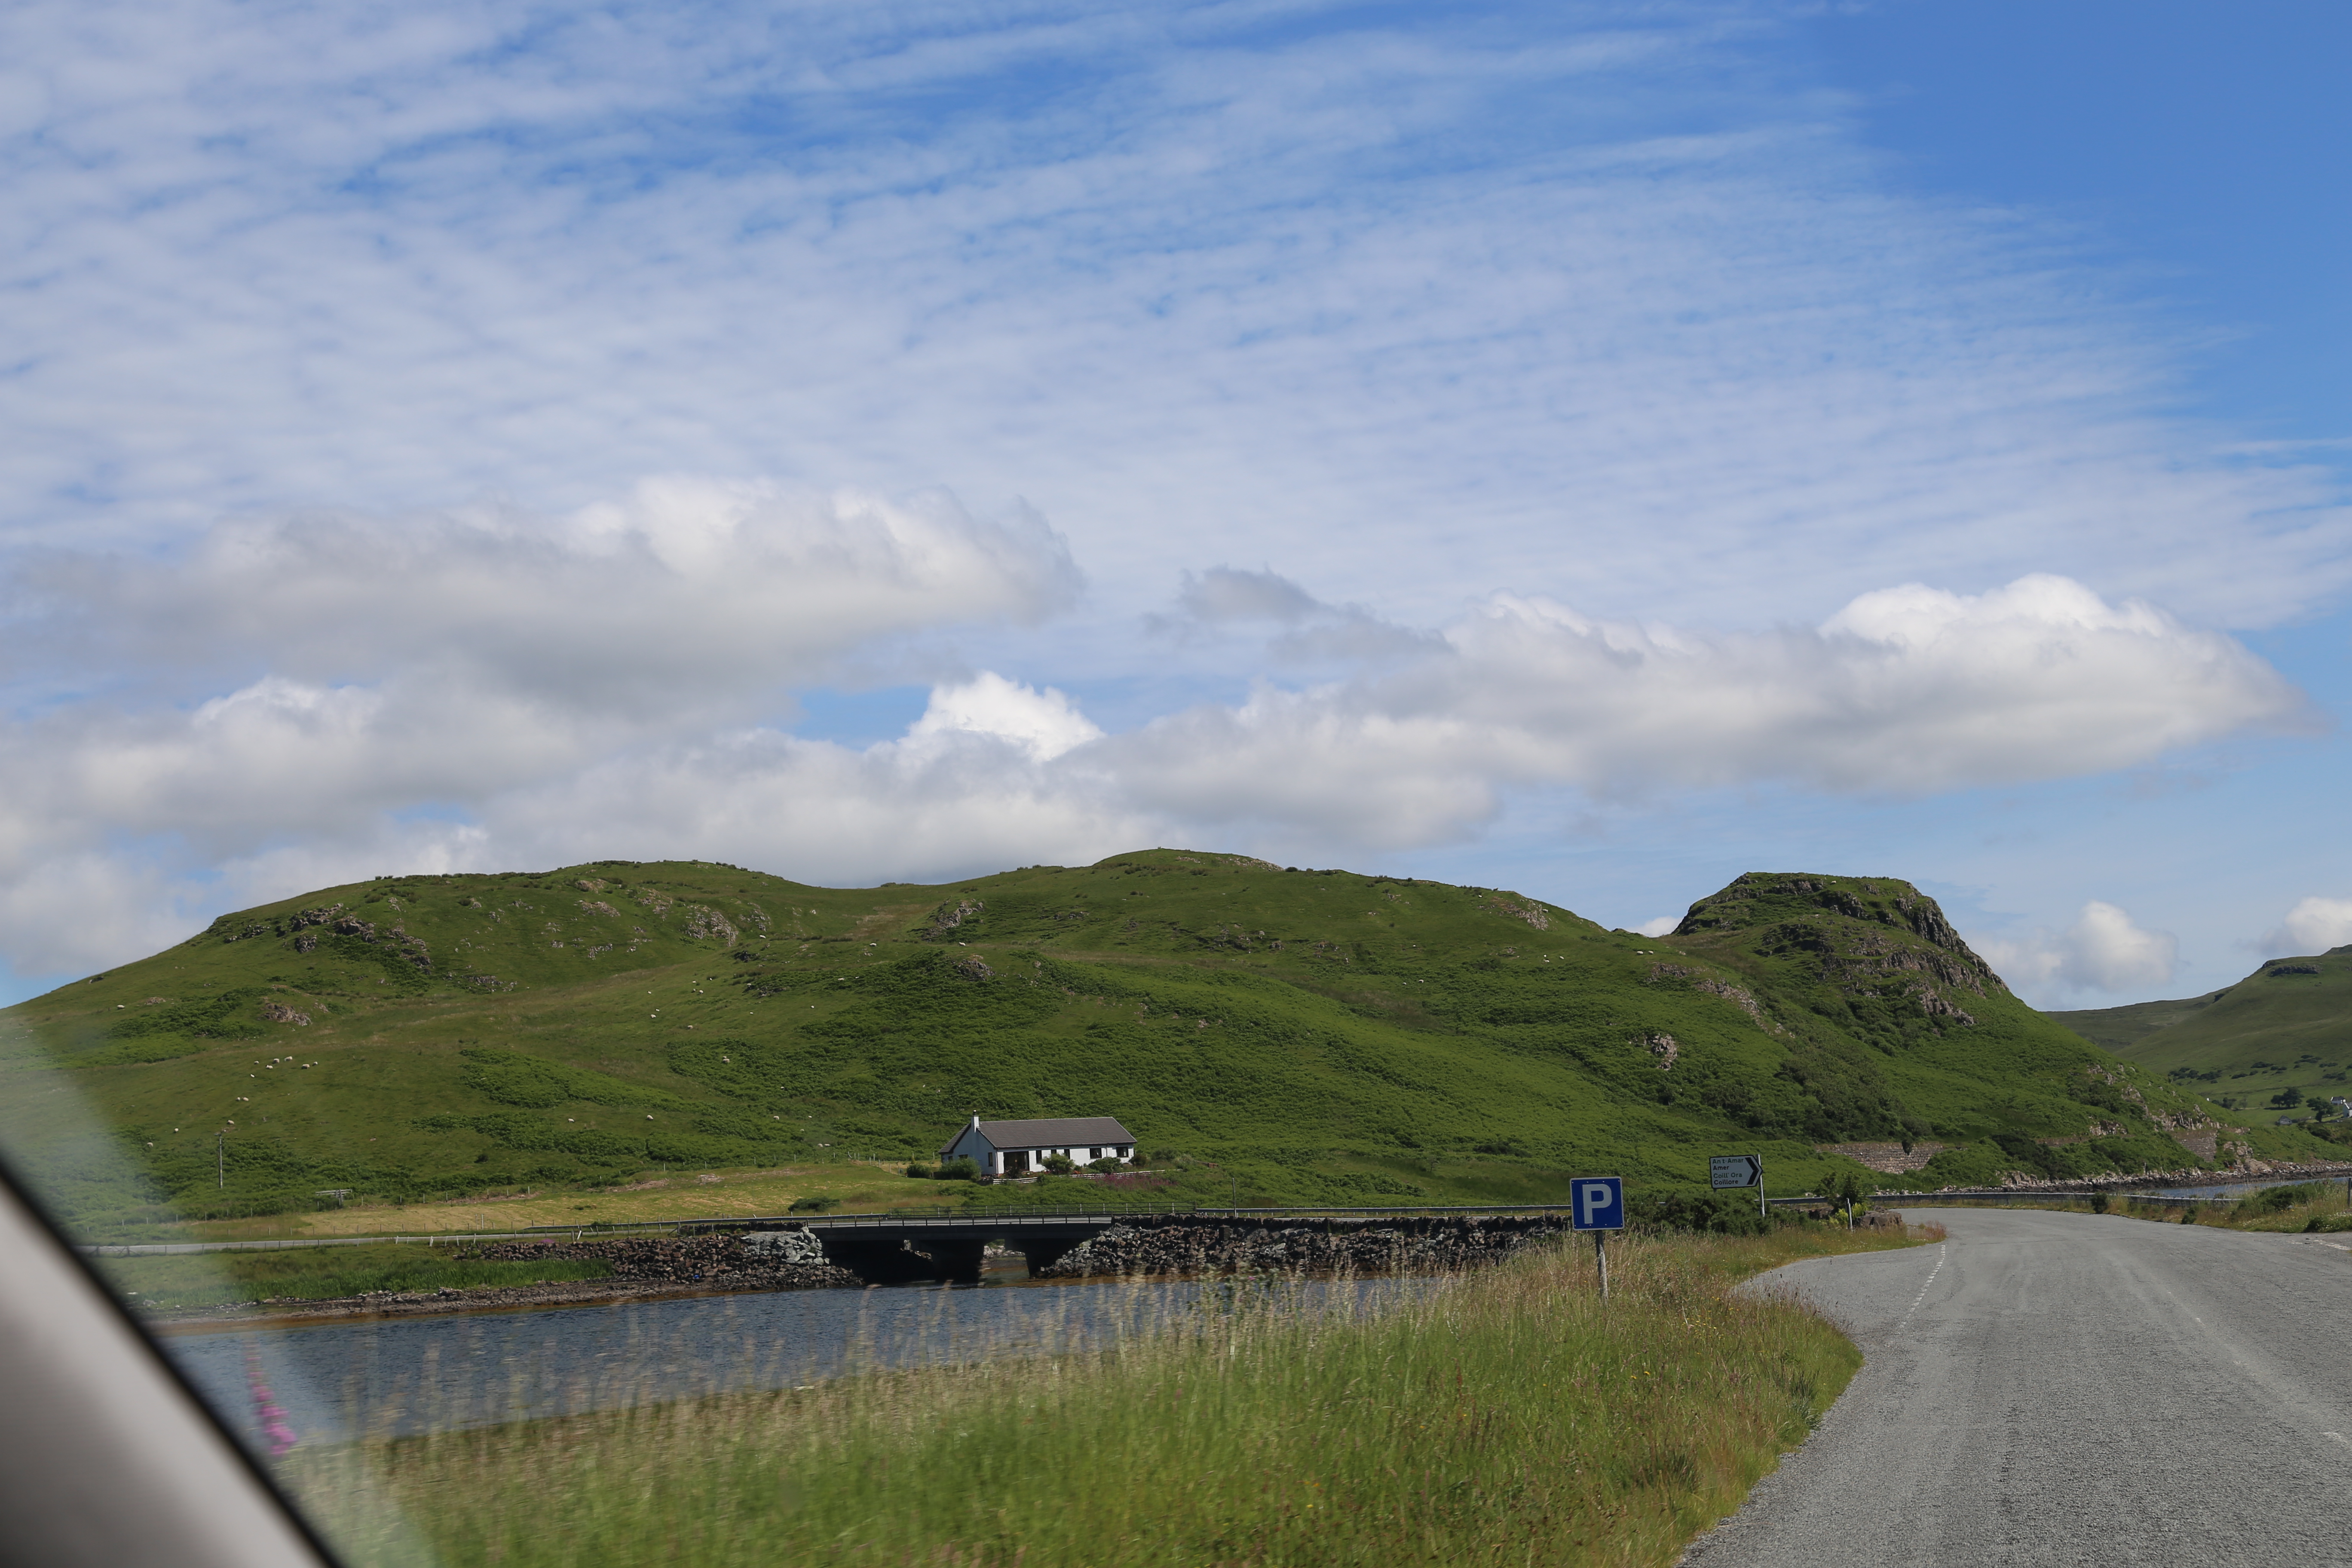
[1597, 1203]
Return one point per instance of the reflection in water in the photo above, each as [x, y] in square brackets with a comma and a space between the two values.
[397, 1377]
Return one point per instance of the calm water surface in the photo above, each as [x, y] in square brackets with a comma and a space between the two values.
[404, 1376]
[2235, 1190]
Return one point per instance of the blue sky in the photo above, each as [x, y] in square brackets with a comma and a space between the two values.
[1594, 449]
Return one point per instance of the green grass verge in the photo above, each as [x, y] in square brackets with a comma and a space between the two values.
[1504, 1415]
[317, 1273]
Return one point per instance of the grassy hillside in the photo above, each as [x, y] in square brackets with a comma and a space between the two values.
[2288, 1025]
[1291, 1034]
[2119, 1028]
[1883, 1003]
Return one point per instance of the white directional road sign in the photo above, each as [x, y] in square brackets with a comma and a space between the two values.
[1736, 1170]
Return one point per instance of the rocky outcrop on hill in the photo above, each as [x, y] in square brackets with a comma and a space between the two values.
[1707, 984]
[1757, 898]
[703, 921]
[1906, 940]
[1520, 908]
[1163, 1245]
[949, 916]
[1887, 1159]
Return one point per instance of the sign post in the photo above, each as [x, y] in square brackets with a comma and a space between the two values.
[1597, 1203]
[1739, 1171]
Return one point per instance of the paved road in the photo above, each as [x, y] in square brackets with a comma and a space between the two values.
[2072, 1389]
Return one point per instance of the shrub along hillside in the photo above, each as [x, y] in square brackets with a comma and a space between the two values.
[1292, 1033]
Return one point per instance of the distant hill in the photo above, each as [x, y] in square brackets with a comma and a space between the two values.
[2287, 1024]
[1311, 1035]
[2119, 1029]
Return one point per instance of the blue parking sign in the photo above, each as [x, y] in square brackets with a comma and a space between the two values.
[1597, 1203]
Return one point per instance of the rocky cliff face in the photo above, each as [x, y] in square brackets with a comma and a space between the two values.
[1862, 932]
[1762, 898]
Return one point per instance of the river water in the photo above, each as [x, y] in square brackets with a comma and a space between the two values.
[404, 1376]
[2232, 1191]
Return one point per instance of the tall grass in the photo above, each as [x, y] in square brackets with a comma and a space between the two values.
[1508, 1416]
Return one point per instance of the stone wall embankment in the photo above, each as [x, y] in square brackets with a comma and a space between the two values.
[757, 1260]
[1169, 1244]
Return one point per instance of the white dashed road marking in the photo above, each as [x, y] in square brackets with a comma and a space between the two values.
[1922, 1287]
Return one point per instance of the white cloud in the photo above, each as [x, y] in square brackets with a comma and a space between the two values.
[2102, 950]
[2312, 926]
[684, 598]
[1664, 925]
[954, 802]
[1908, 690]
[1043, 723]
[428, 667]
[1904, 691]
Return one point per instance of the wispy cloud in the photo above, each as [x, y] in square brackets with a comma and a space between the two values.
[1337, 290]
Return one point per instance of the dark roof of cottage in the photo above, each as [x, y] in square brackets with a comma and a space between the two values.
[1054, 1133]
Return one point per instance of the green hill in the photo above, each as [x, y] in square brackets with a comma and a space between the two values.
[2287, 1025]
[2119, 1029]
[1311, 1035]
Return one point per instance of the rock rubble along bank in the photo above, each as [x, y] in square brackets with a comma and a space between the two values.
[2127, 1183]
[644, 1269]
[430, 1303]
[1161, 1245]
[758, 1260]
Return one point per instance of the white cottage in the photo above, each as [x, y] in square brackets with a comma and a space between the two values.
[1017, 1148]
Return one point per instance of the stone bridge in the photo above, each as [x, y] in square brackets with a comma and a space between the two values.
[884, 1248]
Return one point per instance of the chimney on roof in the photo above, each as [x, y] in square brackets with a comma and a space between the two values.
[975, 1119]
